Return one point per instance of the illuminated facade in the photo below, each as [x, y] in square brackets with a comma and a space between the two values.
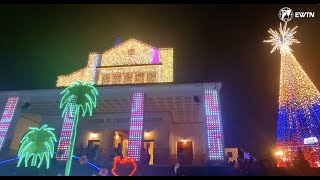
[131, 62]
[138, 107]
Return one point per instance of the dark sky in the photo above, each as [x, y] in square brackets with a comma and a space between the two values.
[211, 43]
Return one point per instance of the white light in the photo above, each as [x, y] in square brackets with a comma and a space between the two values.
[93, 135]
[310, 140]
[284, 39]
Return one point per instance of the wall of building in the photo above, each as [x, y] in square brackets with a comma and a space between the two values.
[22, 127]
[194, 132]
[104, 125]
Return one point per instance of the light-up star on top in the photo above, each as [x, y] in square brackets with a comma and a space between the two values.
[284, 39]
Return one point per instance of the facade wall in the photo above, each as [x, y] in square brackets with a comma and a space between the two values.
[104, 125]
[194, 132]
[22, 127]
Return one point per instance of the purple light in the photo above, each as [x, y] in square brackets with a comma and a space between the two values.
[155, 56]
[7, 117]
[136, 126]
[65, 135]
[213, 125]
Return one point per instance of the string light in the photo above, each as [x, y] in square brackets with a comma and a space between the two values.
[86, 75]
[136, 126]
[213, 125]
[118, 162]
[135, 61]
[299, 102]
[66, 133]
[7, 117]
[37, 144]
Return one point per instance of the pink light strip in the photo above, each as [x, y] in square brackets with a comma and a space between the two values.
[7, 117]
[155, 56]
[136, 126]
[65, 135]
[213, 125]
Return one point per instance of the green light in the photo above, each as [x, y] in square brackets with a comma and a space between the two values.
[85, 96]
[38, 144]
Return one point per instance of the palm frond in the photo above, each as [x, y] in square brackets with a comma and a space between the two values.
[35, 145]
[84, 95]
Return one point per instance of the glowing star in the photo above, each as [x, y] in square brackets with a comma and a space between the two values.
[284, 39]
[37, 144]
[82, 97]
[299, 104]
[123, 164]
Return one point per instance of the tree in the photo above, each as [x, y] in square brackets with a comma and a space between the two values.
[299, 99]
[83, 97]
[38, 144]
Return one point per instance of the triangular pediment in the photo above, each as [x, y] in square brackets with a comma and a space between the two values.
[131, 41]
[130, 52]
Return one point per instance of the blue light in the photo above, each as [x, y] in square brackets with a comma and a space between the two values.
[76, 157]
[8, 160]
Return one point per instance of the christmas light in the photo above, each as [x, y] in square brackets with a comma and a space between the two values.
[7, 117]
[82, 97]
[118, 163]
[37, 144]
[299, 103]
[284, 39]
[136, 126]
[213, 125]
[66, 133]
[86, 75]
[131, 62]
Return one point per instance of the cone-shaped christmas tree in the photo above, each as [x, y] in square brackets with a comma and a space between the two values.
[299, 104]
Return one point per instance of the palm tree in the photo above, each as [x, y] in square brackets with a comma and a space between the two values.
[38, 144]
[83, 97]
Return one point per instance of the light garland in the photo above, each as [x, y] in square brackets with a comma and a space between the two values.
[118, 163]
[66, 133]
[130, 52]
[299, 103]
[37, 144]
[7, 117]
[158, 66]
[213, 125]
[136, 126]
[85, 75]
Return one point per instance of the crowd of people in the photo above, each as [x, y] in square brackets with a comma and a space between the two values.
[95, 154]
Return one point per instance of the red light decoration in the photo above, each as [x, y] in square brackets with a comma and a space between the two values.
[125, 162]
[103, 172]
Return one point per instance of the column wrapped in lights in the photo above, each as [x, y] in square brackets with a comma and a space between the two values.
[213, 125]
[66, 133]
[7, 117]
[299, 104]
[136, 126]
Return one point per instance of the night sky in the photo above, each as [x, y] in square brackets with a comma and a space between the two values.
[211, 43]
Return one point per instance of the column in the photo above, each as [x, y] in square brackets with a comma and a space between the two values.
[6, 118]
[65, 135]
[214, 131]
[136, 126]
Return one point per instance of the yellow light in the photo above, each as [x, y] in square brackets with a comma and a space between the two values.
[184, 141]
[296, 88]
[93, 135]
[117, 136]
[126, 54]
[147, 134]
[279, 153]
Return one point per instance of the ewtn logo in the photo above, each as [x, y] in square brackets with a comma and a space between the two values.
[286, 14]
